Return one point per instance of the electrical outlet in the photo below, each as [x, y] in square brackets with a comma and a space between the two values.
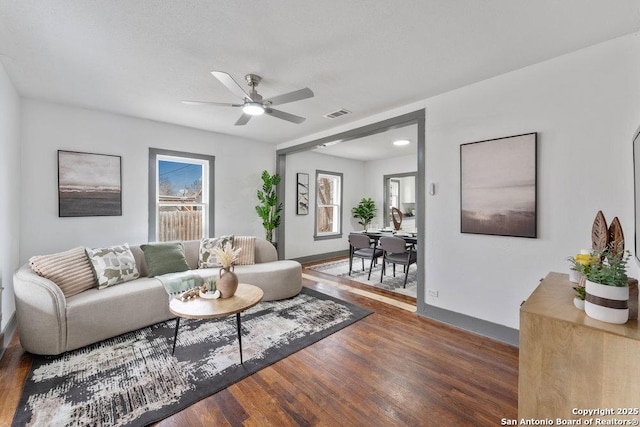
[432, 293]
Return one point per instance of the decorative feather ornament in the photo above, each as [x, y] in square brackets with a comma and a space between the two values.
[616, 237]
[599, 233]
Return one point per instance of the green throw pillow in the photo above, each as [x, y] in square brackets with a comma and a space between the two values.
[164, 257]
[113, 265]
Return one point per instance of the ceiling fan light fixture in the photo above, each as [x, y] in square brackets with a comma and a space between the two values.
[253, 108]
[401, 142]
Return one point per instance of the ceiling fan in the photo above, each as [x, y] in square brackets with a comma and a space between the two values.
[252, 103]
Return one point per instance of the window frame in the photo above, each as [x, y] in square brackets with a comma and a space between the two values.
[155, 155]
[330, 235]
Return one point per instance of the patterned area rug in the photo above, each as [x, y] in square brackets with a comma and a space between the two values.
[390, 283]
[133, 380]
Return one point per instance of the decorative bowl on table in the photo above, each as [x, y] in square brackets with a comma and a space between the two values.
[210, 294]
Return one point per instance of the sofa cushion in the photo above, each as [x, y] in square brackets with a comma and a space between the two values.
[207, 258]
[278, 279]
[164, 257]
[100, 314]
[113, 265]
[191, 250]
[70, 270]
[248, 246]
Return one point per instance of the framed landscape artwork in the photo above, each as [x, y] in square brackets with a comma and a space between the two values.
[302, 194]
[498, 186]
[89, 184]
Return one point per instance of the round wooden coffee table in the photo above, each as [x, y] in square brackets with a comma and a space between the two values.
[246, 296]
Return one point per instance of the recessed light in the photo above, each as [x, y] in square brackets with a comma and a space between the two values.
[401, 142]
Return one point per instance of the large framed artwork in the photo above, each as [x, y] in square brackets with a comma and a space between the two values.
[302, 195]
[498, 186]
[89, 184]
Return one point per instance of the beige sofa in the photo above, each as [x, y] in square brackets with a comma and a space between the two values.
[49, 323]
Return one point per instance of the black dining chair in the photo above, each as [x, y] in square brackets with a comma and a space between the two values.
[360, 246]
[395, 251]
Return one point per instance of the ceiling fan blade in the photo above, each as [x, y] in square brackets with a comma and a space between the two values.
[231, 84]
[296, 95]
[219, 104]
[244, 118]
[285, 116]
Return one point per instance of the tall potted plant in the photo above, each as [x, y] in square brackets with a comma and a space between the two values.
[269, 208]
[365, 212]
[607, 286]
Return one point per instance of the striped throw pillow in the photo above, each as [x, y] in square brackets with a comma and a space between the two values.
[70, 270]
[247, 255]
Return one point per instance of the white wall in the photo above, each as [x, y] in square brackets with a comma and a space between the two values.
[299, 230]
[585, 107]
[48, 127]
[9, 193]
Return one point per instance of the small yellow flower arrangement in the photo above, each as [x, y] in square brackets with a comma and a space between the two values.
[586, 259]
[580, 264]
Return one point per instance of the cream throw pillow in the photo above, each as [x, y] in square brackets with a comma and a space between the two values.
[70, 270]
[247, 255]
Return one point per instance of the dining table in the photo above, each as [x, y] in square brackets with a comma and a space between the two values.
[411, 238]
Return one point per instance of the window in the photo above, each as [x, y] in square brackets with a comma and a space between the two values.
[180, 195]
[328, 205]
[394, 193]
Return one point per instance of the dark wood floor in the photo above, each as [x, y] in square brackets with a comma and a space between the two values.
[391, 368]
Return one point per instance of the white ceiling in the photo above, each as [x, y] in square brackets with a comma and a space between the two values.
[141, 57]
[377, 146]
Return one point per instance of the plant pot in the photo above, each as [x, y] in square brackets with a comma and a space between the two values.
[607, 303]
[574, 275]
[227, 283]
[579, 303]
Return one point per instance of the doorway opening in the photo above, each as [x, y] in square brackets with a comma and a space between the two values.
[295, 237]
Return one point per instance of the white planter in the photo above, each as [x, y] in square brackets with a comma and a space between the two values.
[579, 303]
[607, 303]
[574, 275]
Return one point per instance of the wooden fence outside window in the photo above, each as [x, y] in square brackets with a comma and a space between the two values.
[180, 225]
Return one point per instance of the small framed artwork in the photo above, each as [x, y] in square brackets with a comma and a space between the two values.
[302, 196]
[498, 193]
[89, 184]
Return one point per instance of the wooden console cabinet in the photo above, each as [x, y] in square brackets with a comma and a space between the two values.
[569, 361]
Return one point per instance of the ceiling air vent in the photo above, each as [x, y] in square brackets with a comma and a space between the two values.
[335, 114]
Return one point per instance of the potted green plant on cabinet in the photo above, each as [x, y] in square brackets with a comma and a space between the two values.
[365, 212]
[607, 286]
[269, 208]
[579, 265]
